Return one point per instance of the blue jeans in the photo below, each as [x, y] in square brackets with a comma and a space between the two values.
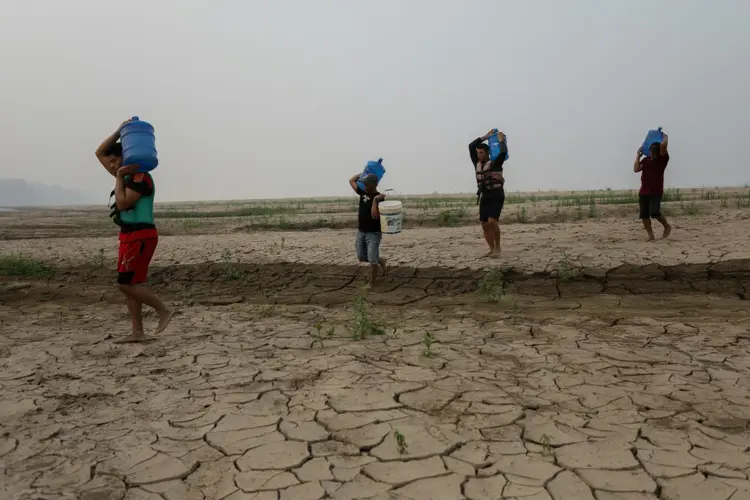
[368, 247]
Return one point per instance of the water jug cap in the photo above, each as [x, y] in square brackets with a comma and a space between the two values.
[659, 129]
[380, 160]
[135, 119]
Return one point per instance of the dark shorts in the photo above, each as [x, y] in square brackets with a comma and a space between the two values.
[490, 206]
[650, 206]
[133, 260]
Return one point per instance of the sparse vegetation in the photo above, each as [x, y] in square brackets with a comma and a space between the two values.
[491, 286]
[427, 342]
[363, 324]
[546, 445]
[578, 214]
[451, 217]
[521, 215]
[319, 338]
[22, 264]
[593, 213]
[232, 270]
[98, 259]
[565, 269]
[690, 208]
[400, 442]
[513, 309]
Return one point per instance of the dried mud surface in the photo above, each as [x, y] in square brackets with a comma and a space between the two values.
[611, 369]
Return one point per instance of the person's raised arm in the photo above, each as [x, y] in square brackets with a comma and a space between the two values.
[637, 166]
[473, 147]
[104, 151]
[664, 144]
[353, 183]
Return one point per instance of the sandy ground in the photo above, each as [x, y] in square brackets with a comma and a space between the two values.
[610, 369]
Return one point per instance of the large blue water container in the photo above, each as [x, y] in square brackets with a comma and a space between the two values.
[373, 167]
[139, 145]
[494, 143]
[651, 137]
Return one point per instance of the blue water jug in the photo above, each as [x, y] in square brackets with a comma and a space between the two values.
[373, 167]
[494, 143]
[651, 137]
[139, 145]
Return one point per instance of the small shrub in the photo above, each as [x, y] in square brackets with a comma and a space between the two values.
[491, 286]
[691, 208]
[400, 442]
[99, 259]
[565, 270]
[521, 215]
[231, 269]
[427, 342]
[593, 214]
[362, 324]
[578, 213]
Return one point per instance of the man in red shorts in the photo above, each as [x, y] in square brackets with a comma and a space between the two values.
[133, 211]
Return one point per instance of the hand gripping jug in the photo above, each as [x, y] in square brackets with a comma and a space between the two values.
[494, 144]
[651, 137]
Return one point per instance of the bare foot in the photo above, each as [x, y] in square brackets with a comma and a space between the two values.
[488, 255]
[133, 338]
[164, 318]
[667, 231]
[367, 286]
[650, 237]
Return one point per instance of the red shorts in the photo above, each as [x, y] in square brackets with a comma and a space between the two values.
[133, 259]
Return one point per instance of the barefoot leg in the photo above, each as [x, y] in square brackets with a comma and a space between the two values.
[384, 266]
[649, 230]
[495, 235]
[489, 237]
[667, 227]
[136, 315]
[164, 318]
[145, 296]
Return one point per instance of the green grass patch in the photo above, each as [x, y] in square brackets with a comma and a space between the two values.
[22, 264]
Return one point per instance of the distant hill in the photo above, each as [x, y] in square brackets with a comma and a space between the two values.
[18, 193]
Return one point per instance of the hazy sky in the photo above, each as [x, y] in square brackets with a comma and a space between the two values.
[286, 98]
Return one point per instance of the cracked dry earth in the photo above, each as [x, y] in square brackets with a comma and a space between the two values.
[606, 395]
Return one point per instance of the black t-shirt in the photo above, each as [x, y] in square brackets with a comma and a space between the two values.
[366, 223]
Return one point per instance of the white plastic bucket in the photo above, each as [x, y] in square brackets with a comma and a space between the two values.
[390, 216]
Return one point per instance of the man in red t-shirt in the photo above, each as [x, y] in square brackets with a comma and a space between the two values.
[652, 185]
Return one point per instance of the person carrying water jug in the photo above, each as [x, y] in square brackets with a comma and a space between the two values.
[369, 233]
[133, 211]
[490, 187]
[652, 169]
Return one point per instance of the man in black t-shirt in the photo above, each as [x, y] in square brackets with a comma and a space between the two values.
[369, 233]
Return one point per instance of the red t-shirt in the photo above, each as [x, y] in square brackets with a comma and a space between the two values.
[652, 175]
